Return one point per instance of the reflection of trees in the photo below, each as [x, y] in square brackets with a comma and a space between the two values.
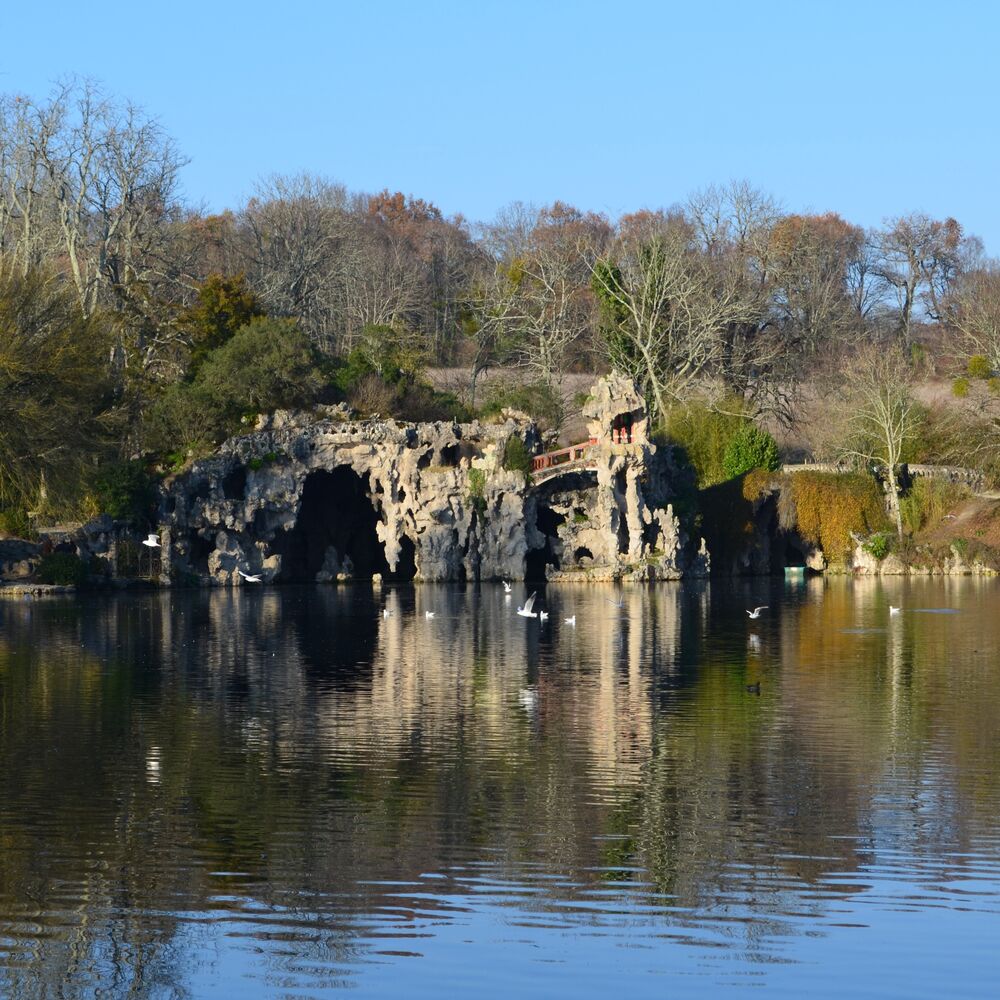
[283, 745]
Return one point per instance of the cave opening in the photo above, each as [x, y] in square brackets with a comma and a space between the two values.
[582, 556]
[538, 560]
[335, 512]
[793, 555]
[234, 485]
[406, 564]
[623, 534]
[201, 548]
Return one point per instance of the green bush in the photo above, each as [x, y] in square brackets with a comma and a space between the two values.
[127, 492]
[979, 366]
[702, 436]
[540, 401]
[14, 521]
[928, 500]
[878, 545]
[63, 568]
[960, 387]
[516, 457]
[477, 491]
[267, 364]
[993, 384]
[750, 448]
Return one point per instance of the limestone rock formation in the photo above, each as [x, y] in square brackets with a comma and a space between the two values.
[319, 497]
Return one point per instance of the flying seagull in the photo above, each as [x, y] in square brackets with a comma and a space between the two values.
[386, 612]
[542, 615]
[152, 541]
[249, 577]
[570, 621]
[506, 587]
[756, 611]
[526, 611]
[428, 614]
[620, 603]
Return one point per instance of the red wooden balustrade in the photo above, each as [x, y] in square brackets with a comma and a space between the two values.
[574, 453]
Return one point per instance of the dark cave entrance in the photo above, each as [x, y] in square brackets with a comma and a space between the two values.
[406, 564]
[538, 560]
[336, 511]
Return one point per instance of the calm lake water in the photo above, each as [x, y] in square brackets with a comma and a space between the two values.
[275, 793]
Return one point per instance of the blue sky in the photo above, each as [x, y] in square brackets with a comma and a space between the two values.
[868, 109]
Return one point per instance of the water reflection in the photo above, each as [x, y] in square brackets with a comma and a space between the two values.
[287, 787]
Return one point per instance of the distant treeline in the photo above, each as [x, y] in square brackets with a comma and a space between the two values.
[133, 324]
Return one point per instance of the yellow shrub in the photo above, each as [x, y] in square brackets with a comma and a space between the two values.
[830, 506]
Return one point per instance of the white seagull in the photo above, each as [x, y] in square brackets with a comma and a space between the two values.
[620, 603]
[542, 615]
[570, 621]
[386, 612]
[428, 614]
[894, 611]
[526, 611]
[249, 577]
[756, 611]
[506, 587]
[151, 541]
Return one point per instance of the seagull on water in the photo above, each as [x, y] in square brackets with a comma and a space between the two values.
[506, 586]
[428, 614]
[249, 577]
[571, 620]
[894, 611]
[526, 611]
[542, 615]
[756, 611]
[386, 612]
[620, 603]
[152, 541]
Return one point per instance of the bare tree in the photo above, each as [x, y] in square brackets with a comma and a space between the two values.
[665, 311]
[972, 310]
[881, 414]
[918, 258]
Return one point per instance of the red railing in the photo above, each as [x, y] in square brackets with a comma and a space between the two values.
[574, 453]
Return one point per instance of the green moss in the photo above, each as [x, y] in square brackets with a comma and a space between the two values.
[960, 387]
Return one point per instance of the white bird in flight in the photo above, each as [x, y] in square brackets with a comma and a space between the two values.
[249, 577]
[894, 611]
[428, 614]
[151, 541]
[386, 612]
[756, 611]
[542, 615]
[526, 611]
[620, 603]
[506, 587]
[571, 620]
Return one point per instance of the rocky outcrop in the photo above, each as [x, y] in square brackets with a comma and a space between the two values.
[320, 497]
[614, 520]
[18, 558]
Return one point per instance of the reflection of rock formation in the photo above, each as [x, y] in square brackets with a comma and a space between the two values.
[302, 744]
[309, 499]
